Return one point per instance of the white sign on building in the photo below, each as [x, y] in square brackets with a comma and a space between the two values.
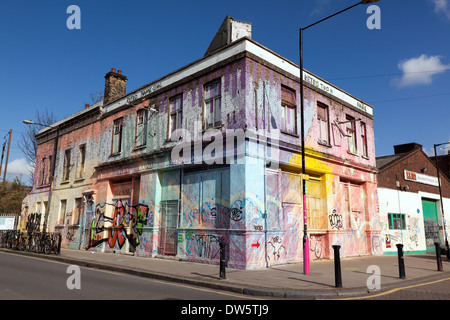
[421, 178]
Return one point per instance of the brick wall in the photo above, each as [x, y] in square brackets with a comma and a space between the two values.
[414, 161]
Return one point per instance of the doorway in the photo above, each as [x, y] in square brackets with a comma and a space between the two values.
[169, 227]
[431, 225]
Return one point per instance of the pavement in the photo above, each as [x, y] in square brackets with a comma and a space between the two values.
[286, 281]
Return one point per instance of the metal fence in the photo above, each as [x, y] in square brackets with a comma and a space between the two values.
[38, 242]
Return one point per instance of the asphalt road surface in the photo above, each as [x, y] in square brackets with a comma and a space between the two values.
[30, 278]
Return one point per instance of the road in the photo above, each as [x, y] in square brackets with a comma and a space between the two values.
[29, 278]
[428, 290]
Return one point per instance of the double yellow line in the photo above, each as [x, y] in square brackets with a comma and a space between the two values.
[393, 290]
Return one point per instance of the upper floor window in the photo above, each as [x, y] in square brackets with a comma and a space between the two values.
[117, 136]
[42, 173]
[66, 168]
[324, 126]
[175, 114]
[288, 111]
[212, 112]
[81, 161]
[351, 134]
[364, 140]
[48, 176]
[140, 138]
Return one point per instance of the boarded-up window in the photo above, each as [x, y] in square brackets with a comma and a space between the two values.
[317, 218]
[117, 136]
[141, 128]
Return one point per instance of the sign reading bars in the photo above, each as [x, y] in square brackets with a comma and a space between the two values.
[421, 178]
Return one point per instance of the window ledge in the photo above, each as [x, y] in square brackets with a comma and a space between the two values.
[323, 143]
[290, 134]
[115, 154]
[137, 148]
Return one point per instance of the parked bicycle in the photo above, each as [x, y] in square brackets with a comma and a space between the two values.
[38, 242]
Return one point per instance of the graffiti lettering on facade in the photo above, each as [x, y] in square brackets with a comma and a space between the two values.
[277, 248]
[126, 223]
[335, 220]
[206, 245]
[316, 246]
[33, 222]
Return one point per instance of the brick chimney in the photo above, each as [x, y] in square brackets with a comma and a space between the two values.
[115, 86]
[407, 147]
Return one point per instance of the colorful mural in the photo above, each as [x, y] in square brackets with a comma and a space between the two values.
[147, 203]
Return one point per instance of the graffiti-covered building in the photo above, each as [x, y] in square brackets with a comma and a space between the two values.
[410, 202]
[211, 152]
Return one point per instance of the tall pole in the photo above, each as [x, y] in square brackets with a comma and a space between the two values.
[302, 107]
[7, 156]
[302, 129]
[52, 177]
[3, 152]
[440, 196]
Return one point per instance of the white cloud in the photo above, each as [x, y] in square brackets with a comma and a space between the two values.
[18, 167]
[445, 149]
[420, 70]
[442, 6]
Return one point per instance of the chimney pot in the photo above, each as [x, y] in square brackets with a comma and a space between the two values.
[86, 105]
[119, 71]
[113, 70]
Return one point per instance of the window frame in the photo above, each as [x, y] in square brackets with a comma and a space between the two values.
[321, 120]
[81, 164]
[365, 151]
[66, 165]
[214, 99]
[62, 213]
[49, 169]
[394, 219]
[117, 124]
[42, 171]
[178, 113]
[352, 146]
[141, 128]
[286, 105]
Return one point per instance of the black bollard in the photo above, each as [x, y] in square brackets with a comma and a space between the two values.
[59, 243]
[401, 262]
[438, 257]
[337, 267]
[222, 259]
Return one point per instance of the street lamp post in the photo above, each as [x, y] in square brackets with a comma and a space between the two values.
[305, 226]
[55, 149]
[440, 196]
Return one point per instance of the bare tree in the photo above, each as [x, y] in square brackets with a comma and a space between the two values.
[95, 97]
[28, 143]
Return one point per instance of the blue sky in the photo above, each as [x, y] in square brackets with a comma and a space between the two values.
[402, 69]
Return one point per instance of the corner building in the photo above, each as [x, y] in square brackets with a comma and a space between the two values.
[210, 153]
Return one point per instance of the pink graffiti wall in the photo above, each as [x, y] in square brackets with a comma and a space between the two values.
[138, 200]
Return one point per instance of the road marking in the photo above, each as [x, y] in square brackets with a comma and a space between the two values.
[392, 290]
